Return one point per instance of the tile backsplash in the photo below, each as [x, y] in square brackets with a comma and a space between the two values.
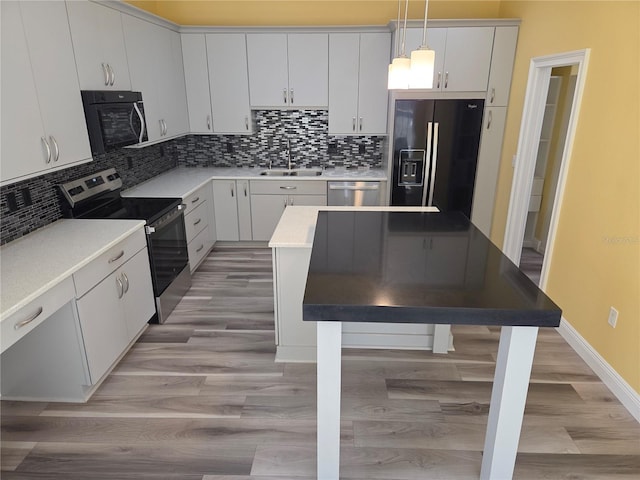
[31, 204]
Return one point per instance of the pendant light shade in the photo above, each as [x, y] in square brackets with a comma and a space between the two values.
[422, 66]
[399, 71]
[422, 60]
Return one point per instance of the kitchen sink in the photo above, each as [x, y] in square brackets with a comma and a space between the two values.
[299, 172]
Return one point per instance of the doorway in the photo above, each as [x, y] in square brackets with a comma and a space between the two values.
[549, 121]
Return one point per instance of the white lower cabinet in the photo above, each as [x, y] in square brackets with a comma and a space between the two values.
[270, 198]
[232, 210]
[114, 312]
[199, 225]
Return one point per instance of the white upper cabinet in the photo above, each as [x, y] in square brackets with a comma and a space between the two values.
[156, 69]
[196, 76]
[288, 70]
[504, 52]
[98, 44]
[463, 56]
[358, 93]
[229, 82]
[43, 125]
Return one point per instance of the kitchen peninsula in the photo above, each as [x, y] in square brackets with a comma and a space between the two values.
[489, 290]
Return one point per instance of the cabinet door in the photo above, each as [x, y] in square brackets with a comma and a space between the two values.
[308, 200]
[104, 330]
[98, 44]
[484, 192]
[343, 82]
[372, 90]
[225, 209]
[436, 41]
[172, 91]
[502, 58]
[468, 58]
[229, 82]
[196, 76]
[267, 63]
[138, 299]
[244, 210]
[266, 211]
[308, 59]
[141, 40]
[54, 70]
[23, 147]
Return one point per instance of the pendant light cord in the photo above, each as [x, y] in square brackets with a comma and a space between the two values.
[424, 30]
[404, 32]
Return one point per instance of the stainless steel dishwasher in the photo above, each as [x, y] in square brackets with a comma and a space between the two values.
[355, 194]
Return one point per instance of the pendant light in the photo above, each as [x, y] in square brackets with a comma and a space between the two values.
[422, 60]
[400, 67]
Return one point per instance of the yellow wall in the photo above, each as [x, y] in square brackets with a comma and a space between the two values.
[308, 12]
[596, 261]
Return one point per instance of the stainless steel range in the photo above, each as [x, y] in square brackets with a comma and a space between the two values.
[98, 196]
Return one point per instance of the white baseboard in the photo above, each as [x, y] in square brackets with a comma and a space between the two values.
[618, 386]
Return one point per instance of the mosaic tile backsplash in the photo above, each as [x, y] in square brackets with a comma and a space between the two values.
[31, 204]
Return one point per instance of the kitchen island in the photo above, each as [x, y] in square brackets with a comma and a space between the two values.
[488, 290]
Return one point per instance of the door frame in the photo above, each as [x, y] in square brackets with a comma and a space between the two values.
[527, 151]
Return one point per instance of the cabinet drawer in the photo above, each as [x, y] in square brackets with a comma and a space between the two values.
[198, 248]
[196, 220]
[89, 276]
[13, 328]
[289, 187]
[194, 200]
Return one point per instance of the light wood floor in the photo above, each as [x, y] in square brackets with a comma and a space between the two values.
[200, 398]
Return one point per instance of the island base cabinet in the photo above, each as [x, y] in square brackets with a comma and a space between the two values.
[49, 363]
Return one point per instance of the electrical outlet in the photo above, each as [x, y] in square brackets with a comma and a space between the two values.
[613, 317]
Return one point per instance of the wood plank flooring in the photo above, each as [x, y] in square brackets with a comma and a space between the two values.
[201, 398]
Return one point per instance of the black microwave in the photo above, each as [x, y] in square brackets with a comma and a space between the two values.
[115, 119]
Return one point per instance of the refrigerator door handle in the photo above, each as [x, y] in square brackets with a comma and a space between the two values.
[427, 164]
[434, 159]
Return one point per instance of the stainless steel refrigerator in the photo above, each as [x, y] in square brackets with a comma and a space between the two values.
[435, 152]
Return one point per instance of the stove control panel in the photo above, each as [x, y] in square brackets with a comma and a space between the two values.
[90, 185]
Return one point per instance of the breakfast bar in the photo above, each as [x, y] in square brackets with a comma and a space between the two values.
[435, 268]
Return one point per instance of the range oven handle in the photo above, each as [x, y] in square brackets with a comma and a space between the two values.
[163, 222]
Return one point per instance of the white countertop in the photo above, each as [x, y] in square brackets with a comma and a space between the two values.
[298, 224]
[183, 181]
[37, 262]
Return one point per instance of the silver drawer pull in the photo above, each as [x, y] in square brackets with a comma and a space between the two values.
[288, 187]
[195, 200]
[197, 222]
[198, 250]
[117, 257]
[349, 187]
[120, 286]
[27, 321]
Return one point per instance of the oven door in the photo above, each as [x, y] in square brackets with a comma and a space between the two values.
[167, 242]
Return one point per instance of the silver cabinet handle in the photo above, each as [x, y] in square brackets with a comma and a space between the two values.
[120, 287]
[165, 126]
[208, 122]
[125, 280]
[197, 222]
[493, 95]
[28, 320]
[46, 144]
[360, 124]
[291, 96]
[56, 157]
[244, 185]
[113, 75]
[233, 194]
[353, 124]
[142, 125]
[489, 119]
[349, 187]
[199, 249]
[246, 122]
[286, 200]
[161, 128]
[195, 200]
[446, 79]
[117, 257]
[288, 187]
[291, 201]
[284, 95]
[439, 78]
[105, 71]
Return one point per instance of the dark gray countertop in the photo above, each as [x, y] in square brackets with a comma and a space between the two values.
[414, 267]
